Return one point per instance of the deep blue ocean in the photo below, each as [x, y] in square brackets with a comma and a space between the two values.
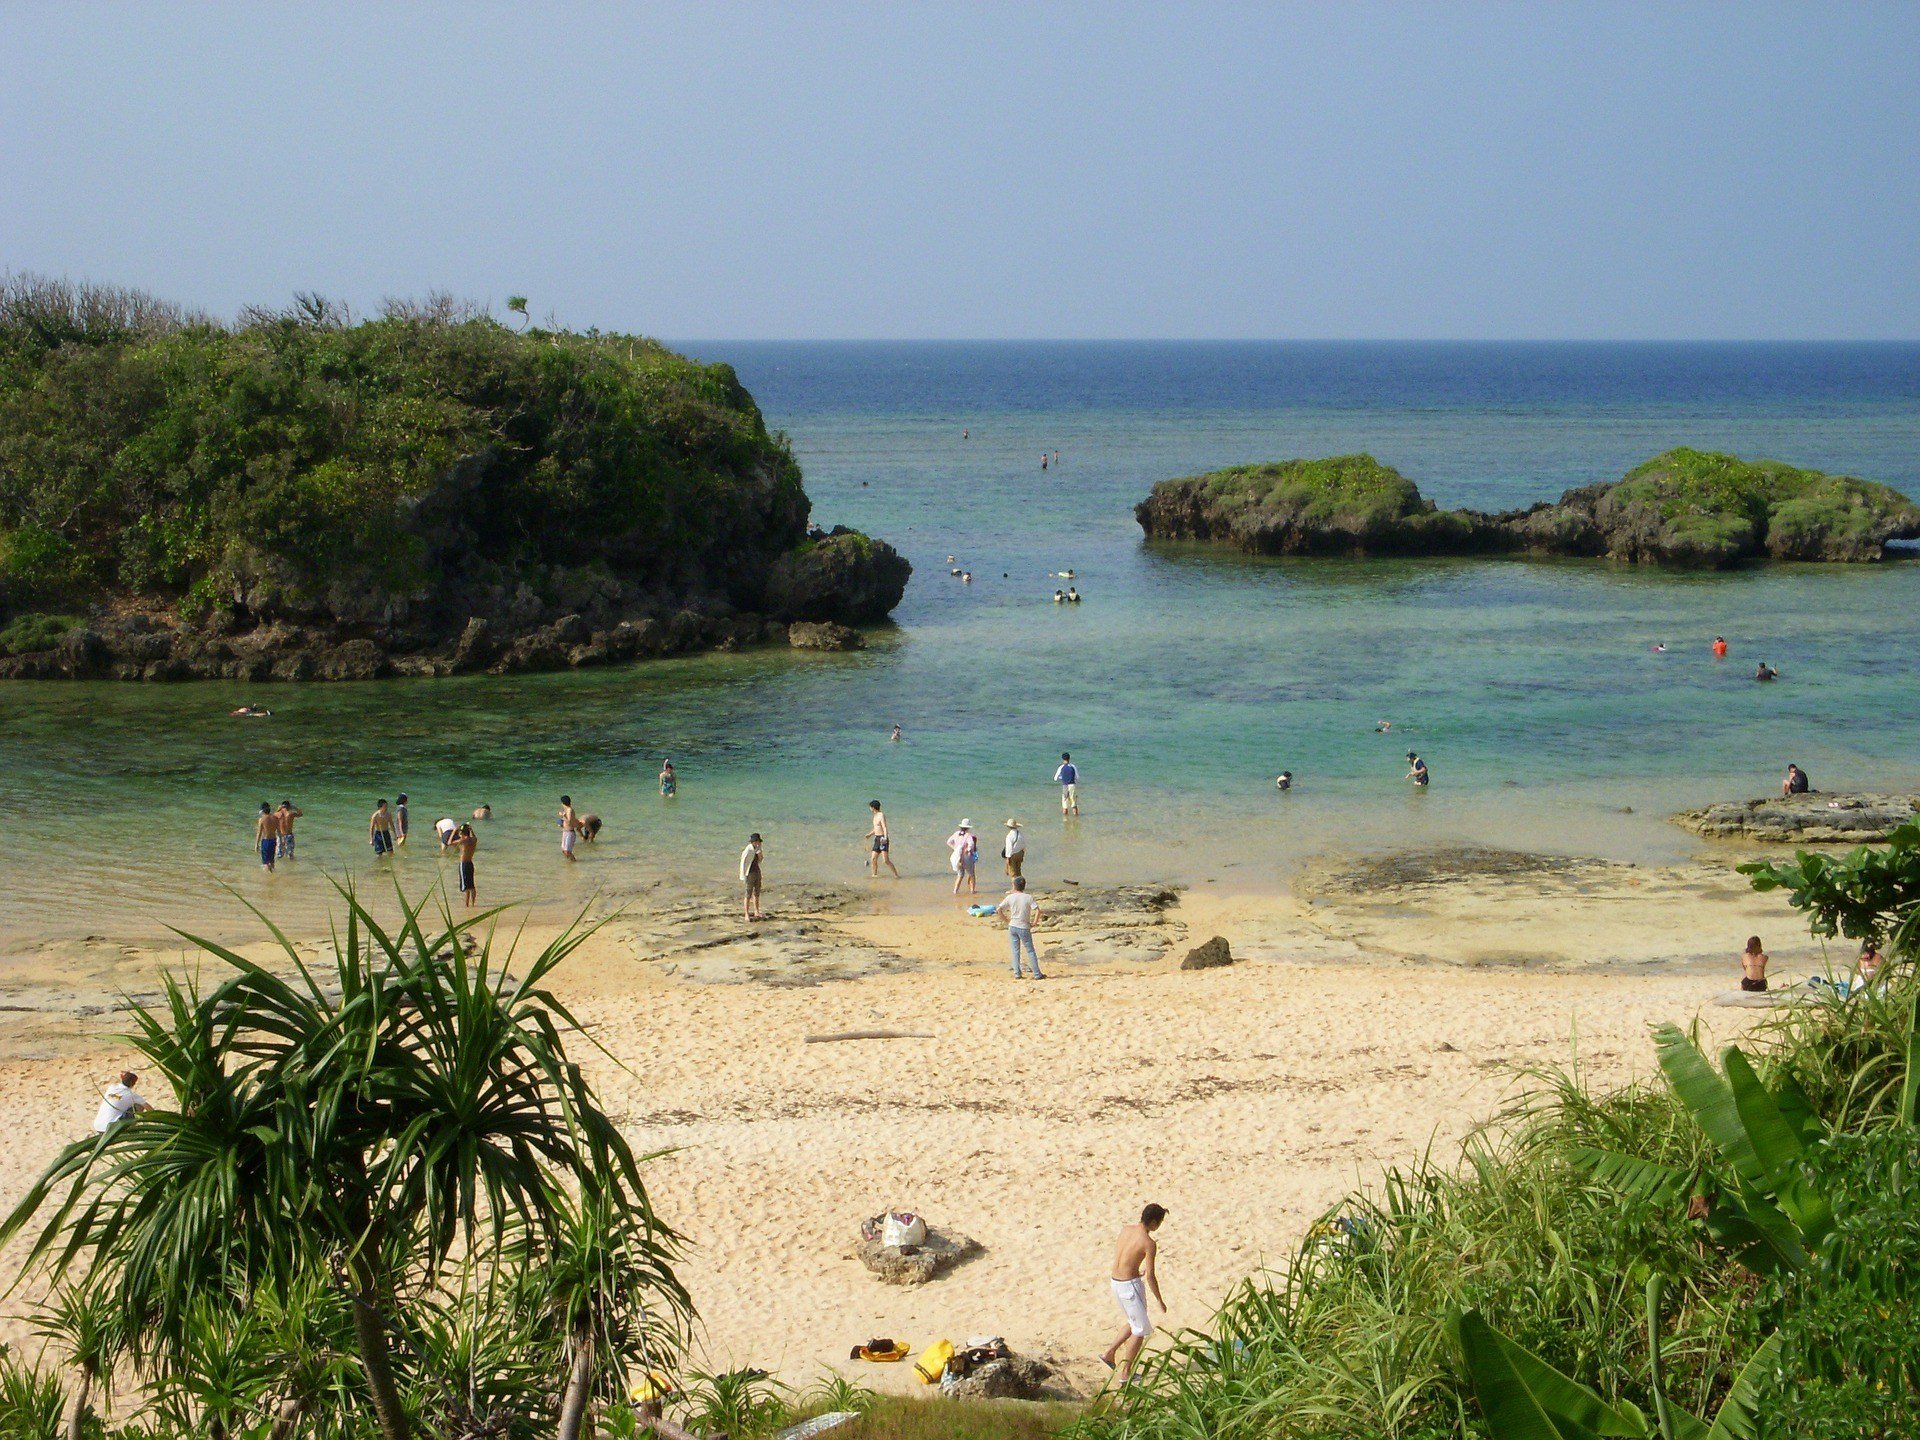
[1183, 683]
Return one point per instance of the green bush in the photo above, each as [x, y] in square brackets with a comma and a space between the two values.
[25, 634]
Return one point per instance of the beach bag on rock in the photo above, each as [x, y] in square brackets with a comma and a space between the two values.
[903, 1228]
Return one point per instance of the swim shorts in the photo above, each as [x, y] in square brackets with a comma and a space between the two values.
[881, 845]
[1132, 1297]
[466, 876]
[567, 839]
[267, 847]
[286, 846]
[382, 841]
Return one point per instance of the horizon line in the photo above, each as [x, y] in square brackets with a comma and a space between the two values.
[1275, 340]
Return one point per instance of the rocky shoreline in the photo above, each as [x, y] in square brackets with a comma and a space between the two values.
[1685, 507]
[1811, 819]
[813, 599]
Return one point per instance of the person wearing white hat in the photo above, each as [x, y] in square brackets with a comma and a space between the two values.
[965, 846]
[1014, 848]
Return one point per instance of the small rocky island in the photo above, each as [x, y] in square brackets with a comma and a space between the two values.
[301, 495]
[1686, 507]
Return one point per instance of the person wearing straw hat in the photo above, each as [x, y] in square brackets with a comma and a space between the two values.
[750, 877]
[965, 845]
[1014, 848]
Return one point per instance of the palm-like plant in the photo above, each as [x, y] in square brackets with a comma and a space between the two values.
[411, 1100]
[88, 1328]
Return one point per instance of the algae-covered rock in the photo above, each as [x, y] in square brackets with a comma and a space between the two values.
[844, 577]
[1686, 507]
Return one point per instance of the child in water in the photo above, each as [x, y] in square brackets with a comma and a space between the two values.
[669, 782]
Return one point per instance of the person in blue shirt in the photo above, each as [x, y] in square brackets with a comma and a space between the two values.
[1068, 776]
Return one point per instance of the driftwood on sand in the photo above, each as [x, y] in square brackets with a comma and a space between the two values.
[869, 1035]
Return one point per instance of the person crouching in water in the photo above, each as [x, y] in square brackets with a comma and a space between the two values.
[1753, 965]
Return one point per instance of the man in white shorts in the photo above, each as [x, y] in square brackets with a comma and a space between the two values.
[1068, 776]
[569, 826]
[1133, 1281]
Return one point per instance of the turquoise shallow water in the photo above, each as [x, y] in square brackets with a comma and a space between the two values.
[1182, 684]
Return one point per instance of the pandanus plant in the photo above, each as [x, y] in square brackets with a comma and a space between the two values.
[393, 1115]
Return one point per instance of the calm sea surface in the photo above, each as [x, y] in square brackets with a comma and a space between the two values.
[1183, 684]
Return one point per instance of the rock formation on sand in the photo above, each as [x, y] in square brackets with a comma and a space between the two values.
[1813, 819]
[1214, 954]
[916, 1264]
[303, 496]
[1686, 507]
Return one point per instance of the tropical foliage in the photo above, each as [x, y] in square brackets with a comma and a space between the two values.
[384, 1201]
[1731, 1251]
[302, 462]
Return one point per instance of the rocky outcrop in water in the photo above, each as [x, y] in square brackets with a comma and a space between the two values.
[1686, 507]
[1813, 819]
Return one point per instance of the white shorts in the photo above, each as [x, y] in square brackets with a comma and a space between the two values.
[567, 837]
[1132, 1297]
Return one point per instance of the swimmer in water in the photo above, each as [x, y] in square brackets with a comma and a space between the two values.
[1765, 672]
[1719, 647]
[1659, 649]
[1059, 597]
[485, 812]
[966, 577]
[895, 736]
[1073, 596]
[1285, 780]
[1417, 770]
[669, 782]
[251, 712]
[1383, 727]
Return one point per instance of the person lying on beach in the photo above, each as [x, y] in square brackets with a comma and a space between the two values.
[121, 1100]
[1753, 965]
[1134, 1278]
[1796, 782]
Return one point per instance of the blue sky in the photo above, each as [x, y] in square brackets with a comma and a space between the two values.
[818, 170]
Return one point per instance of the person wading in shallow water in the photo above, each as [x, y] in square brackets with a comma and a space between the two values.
[880, 843]
[750, 877]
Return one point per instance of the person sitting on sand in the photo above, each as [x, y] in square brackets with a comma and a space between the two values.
[1417, 770]
[1753, 965]
[1133, 1279]
[1870, 959]
[1766, 672]
[1796, 782]
[120, 1101]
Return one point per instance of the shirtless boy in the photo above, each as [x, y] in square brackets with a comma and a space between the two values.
[266, 835]
[880, 843]
[464, 843]
[283, 819]
[380, 830]
[569, 826]
[1133, 1281]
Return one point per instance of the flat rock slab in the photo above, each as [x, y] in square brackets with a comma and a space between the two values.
[1086, 924]
[1813, 819]
[702, 938]
[916, 1264]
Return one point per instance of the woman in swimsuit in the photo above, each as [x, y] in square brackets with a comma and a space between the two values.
[669, 782]
[1753, 965]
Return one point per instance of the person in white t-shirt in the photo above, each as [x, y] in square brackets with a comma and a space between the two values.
[1019, 908]
[120, 1101]
[1014, 848]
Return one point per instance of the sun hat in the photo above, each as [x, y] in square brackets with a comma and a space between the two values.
[1013, 824]
[966, 824]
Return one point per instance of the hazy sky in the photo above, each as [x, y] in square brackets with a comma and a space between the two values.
[813, 170]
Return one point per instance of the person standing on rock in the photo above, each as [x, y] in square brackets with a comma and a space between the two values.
[1133, 1280]
[750, 877]
[879, 842]
[1020, 910]
[1014, 848]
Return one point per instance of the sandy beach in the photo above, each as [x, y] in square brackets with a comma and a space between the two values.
[1380, 1008]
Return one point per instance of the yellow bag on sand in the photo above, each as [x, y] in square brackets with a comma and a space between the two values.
[653, 1385]
[932, 1363]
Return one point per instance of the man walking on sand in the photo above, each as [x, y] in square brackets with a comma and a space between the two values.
[1020, 910]
[750, 877]
[880, 843]
[1014, 848]
[1133, 1280]
[1069, 777]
